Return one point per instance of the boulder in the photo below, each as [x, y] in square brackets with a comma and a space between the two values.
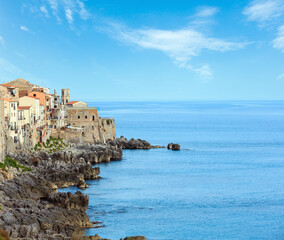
[173, 146]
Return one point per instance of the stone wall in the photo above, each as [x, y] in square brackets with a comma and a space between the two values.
[85, 126]
[107, 129]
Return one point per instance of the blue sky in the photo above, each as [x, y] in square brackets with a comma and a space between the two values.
[146, 50]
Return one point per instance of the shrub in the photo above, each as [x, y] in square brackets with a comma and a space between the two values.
[4, 235]
[10, 162]
[51, 145]
[3, 166]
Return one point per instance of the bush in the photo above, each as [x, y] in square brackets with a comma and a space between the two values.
[51, 145]
[4, 235]
[10, 162]
[3, 166]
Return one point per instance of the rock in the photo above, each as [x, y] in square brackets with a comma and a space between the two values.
[173, 146]
[123, 143]
[31, 206]
[134, 238]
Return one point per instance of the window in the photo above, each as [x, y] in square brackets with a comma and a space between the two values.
[34, 95]
[93, 117]
[86, 117]
[55, 99]
[78, 117]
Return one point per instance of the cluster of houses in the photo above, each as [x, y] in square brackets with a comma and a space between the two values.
[30, 114]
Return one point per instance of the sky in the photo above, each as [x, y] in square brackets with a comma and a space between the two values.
[137, 50]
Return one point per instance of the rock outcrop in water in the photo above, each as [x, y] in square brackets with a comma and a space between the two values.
[31, 207]
[173, 146]
[123, 143]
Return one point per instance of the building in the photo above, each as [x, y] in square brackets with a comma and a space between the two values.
[30, 114]
[11, 115]
[36, 109]
[77, 104]
[65, 96]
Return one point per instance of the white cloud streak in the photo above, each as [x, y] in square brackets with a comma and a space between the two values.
[264, 10]
[24, 28]
[2, 41]
[181, 45]
[280, 77]
[9, 67]
[70, 7]
[278, 42]
[84, 14]
[44, 11]
[207, 12]
[68, 14]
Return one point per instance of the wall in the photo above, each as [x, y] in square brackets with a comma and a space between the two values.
[107, 129]
[2, 125]
[88, 120]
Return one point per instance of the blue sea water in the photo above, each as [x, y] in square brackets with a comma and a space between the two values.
[227, 182]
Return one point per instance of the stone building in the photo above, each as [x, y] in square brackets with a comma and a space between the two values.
[65, 96]
[83, 124]
[77, 104]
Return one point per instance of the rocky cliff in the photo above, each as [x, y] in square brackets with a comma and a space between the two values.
[31, 207]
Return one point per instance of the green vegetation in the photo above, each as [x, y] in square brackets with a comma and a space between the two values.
[4, 235]
[51, 145]
[3, 166]
[10, 162]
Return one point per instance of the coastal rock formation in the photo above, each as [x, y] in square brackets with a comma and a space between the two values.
[123, 143]
[134, 238]
[173, 146]
[31, 207]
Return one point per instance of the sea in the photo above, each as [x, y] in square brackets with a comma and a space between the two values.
[227, 182]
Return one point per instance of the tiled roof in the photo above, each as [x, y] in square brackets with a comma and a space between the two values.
[23, 107]
[71, 103]
[7, 85]
[8, 100]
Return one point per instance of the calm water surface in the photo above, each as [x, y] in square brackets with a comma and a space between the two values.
[229, 185]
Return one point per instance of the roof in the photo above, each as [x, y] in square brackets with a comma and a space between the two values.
[7, 85]
[70, 103]
[8, 100]
[24, 107]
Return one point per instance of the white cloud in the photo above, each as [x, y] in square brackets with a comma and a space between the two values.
[205, 71]
[206, 12]
[280, 77]
[278, 42]
[2, 42]
[9, 67]
[24, 28]
[68, 14]
[181, 45]
[44, 11]
[264, 10]
[70, 7]
[84, 14]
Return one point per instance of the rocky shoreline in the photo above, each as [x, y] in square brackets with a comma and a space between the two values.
[30, 205]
